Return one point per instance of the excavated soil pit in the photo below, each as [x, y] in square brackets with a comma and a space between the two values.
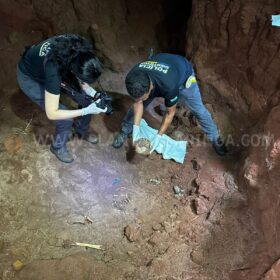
[200, 233]
[210, 218]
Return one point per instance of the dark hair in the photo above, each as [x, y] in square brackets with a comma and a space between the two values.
[86, 66]
[137, 83]
[73, 55]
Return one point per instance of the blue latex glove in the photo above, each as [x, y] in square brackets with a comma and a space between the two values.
[155, 142]
[93, 109]
[275, 20]
[136, 135]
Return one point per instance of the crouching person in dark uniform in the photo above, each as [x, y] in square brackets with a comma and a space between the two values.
[171, 77]
[41, 71]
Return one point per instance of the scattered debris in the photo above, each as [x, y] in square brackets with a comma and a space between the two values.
[155, 181]
[79, 219]
[116, 181]
[68, 243]
[17, 265]
[132, 232]
[178, 191]
[88, 220]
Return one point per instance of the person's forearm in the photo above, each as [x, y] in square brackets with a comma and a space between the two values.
[52, 108]
[167, 119]
[138, 109]
[61, 114]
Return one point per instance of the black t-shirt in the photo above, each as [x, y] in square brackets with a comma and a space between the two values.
[33, 64]
[167, 72]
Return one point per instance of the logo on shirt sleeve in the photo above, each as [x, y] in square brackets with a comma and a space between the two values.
[191, 80]
[174, 99]
[45, 48]
[156, 66]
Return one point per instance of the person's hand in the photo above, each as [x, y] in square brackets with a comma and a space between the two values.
[155, 142]
[136, 135]
[93, 109]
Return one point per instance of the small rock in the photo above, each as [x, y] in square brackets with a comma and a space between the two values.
[130, 253]
[155, 181]
[17, 265]
[157, 227]
[177, 190]
[173, 216]
[155, 240]
[132, 232]
[198, 256]
[167, 227]
[200, 206]
[139, 221]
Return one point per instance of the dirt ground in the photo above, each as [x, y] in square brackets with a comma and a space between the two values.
[204, 232]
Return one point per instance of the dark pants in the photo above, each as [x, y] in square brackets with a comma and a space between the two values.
[189, 97]
[63, 130]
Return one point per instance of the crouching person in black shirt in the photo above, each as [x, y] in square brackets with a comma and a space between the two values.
[41, 71]
[171, 77]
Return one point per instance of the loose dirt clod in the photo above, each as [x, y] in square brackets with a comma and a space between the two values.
[132, 232]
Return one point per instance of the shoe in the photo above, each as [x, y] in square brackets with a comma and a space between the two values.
[119, 140]
[89, 137]
[62, 154]
[219, 147]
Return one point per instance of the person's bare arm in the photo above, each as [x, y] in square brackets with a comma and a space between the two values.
[167, 119]
[52, 108]
[138, 109]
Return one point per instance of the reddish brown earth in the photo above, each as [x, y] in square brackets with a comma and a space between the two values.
[224, 224]
[237, 58]
[147, 231]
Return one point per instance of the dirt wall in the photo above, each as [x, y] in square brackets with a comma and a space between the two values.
[236, 51]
